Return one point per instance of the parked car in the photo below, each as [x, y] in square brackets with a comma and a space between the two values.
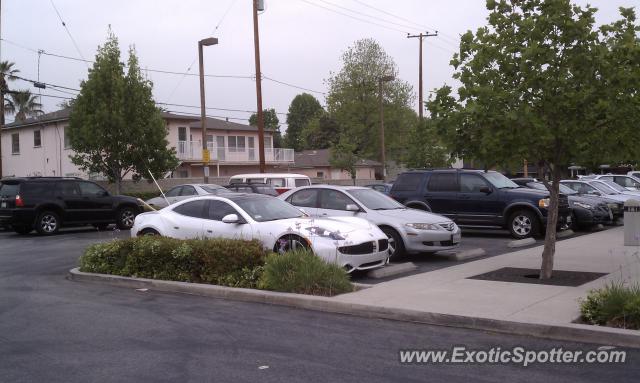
[583, 189]
[252, 188]
[634, 173]
[382, 188]
[182, 192]
[282, 182]
[478, 198]
[626, 181]
[48, 203]
[596, 188]
[353, 243]
[615, 187]
[408, 230]
[587, 211]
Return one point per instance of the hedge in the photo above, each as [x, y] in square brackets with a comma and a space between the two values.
[615, 305]
[144, 195]
[217, 261]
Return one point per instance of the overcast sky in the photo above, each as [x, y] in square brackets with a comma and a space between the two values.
[301, 42]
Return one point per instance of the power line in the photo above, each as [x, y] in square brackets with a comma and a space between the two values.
[68, 31]
[370, 16]
[291, 85]
[353, 17]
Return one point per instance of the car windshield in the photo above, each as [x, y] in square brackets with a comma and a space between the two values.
[9, 190]
[603, 188]
[375, 200]
[500, 181]
[563, 189]
[614, 186]
[263, 209]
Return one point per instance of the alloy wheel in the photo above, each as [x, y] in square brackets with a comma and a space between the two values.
[522, 225]
[48, 223]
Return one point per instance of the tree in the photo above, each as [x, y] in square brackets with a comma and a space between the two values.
[7, 73]
[353, 99]
[23, 104]
[540, 82]
[425, 149]
[343, 156]
[302, 110]
[271, 123]
[115, 127]
[321, 132]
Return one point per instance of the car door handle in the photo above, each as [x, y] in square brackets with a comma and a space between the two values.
[176, 227]
[324, 214]
[465, 196]
[210, 231]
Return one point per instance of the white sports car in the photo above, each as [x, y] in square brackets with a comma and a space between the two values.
[350, 242]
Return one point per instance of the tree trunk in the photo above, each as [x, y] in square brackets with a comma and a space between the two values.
[546, 268]
[2, 86]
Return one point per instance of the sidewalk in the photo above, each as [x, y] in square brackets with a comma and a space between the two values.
[447, 291]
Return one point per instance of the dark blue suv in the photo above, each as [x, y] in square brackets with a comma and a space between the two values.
[478, 198]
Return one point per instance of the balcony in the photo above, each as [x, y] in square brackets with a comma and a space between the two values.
[192, 151]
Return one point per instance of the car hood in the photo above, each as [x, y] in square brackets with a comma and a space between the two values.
[526, 192]
[585, 200]
[338, 224]
[411, 216]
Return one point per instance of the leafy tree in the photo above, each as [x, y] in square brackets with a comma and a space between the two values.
[271, 123]
[343, 156]
[353, 99]
[541, 82]
[66, 104]
[7, 73]
[321, 132]
[425, 149]
[115, 127]
[302, 110]
[23, 104]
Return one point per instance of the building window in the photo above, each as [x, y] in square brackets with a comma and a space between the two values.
[67, 139]
[320, 174]
[236, 143]
[15, 143]
[37, 139]
[182, 133]
[183, 173]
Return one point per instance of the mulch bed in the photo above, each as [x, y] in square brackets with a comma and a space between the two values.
[521, 275]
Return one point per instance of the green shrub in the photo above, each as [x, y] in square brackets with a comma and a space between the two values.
[616, 305]
[217, 261]
[144, 195]
[304, 273]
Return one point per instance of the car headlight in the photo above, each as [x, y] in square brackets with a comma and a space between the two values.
[613, 206]
[424, 226]
[583, 205]
[543, 203]
[322, 232]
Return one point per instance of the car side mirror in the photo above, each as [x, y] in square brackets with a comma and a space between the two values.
[352, 207]
[104, 194]
[231, 218]
[485, 189]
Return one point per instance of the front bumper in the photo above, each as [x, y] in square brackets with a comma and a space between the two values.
[362, 256]
[423, 241]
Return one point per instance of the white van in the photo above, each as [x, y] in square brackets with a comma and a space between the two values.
[282, 182]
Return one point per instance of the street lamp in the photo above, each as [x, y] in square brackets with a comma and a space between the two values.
[203, 115]
[382, 79]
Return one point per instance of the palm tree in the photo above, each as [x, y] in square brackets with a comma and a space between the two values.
[7, 73]
[23, 104]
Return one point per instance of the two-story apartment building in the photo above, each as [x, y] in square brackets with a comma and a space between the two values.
[40, 147]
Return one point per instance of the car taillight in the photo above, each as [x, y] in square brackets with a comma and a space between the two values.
[19, 201]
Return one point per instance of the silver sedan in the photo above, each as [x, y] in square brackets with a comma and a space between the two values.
[409, 230]
[182, 192]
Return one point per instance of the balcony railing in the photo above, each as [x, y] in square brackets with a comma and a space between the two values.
[192, 150]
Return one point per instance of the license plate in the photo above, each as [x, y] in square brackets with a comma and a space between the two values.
[3, 205]
[455, 238]
[568, 219]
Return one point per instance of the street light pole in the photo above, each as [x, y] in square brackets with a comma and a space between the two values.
[203, 113]
[381, 80]
[256, 44]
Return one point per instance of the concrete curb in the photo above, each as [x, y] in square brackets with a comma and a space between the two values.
[463, 255]
[392, 269]
[566, 332]
[565, 233]
[521, 242]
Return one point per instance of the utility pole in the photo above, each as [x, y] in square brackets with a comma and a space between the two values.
[256, 44]
[206, 156]
[420, 101]
[2, 86]
[381, 80]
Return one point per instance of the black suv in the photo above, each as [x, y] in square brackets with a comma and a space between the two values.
[47, 203]
[478, 198]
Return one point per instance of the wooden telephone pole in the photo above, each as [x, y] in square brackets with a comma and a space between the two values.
[258, 5]
[420, 101]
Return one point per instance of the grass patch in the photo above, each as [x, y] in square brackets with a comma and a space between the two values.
[304, 273]
[615, 305]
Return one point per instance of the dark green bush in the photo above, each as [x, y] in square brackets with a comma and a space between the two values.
[616, 305]
[217, 261]
[304, 273]
[144, 195]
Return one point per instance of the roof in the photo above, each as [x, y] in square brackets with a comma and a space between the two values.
[270, 175]
[194, 121]
[320, 157]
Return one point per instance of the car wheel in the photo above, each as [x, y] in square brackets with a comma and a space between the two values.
[148, 233]
[22, 229]
[126, 217]
[101, 226]
[48, 223]
[396, 244]
[290, 243]
[523, 224]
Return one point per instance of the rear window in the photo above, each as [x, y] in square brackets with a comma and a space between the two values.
[38, 188]
[408, 182]
[302, 182]
[235, 181]
[9, 190]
